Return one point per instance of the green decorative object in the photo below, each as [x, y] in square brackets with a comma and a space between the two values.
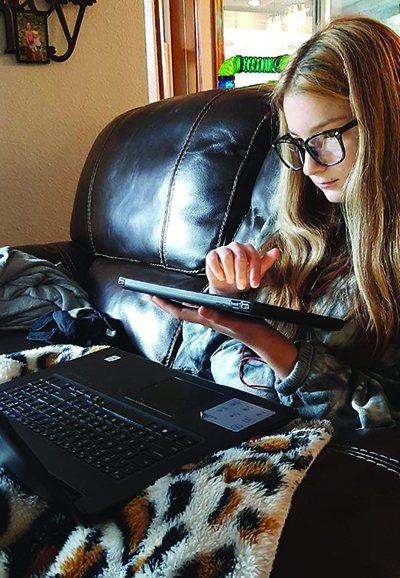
[236, 64]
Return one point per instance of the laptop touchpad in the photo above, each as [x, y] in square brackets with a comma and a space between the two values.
[174, 396]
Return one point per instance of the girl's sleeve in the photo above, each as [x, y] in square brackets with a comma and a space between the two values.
[320, 385]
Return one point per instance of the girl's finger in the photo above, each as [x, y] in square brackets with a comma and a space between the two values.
[226, 258]
[254, 260]
[242, 266]
[268, 260]
[213, 265]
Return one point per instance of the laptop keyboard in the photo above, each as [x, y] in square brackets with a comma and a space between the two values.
[79, 421]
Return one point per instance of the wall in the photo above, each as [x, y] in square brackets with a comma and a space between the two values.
[52, 113]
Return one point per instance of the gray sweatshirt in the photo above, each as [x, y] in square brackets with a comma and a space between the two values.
[31, 287]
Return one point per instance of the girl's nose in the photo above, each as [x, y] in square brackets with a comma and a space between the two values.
[310, 166]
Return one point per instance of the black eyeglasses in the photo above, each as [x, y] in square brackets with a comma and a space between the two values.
[326, 147]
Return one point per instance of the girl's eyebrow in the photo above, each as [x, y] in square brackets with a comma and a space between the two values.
[319, 127]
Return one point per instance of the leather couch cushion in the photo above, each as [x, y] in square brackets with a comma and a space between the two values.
[262, 200]
[344, 520]
[165, 183]
[143, 327]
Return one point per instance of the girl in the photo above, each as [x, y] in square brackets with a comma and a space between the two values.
[332, 248]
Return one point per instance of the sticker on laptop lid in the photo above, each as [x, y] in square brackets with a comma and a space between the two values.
[112, 358]
[236, 414]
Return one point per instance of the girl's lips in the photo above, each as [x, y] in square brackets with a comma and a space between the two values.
[326, 184]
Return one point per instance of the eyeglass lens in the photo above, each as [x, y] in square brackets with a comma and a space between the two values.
[325, 149]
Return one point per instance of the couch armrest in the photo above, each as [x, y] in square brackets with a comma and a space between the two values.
[344, 519]
[75, 258]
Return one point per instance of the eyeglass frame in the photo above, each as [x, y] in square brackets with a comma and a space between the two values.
[303, 146]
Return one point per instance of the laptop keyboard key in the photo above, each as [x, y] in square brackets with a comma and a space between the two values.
[100, 453]
[130, 469]
[117, 475]
[110, 458]
[156, 454]
[167, 445]
[89, 459]
[150, 437]
[122, 436]
[185, 441]
[142, 461]
[140, 447]
[119, 464]
[173, 436]
[129, 454]
[167, 431]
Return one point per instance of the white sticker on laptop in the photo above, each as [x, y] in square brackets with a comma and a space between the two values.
[236, 414]
[112, 358]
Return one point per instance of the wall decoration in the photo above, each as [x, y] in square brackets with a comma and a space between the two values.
[9, 27]
[26, 29]
[31, 38]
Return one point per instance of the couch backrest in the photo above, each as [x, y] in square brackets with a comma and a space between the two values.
[163, 185]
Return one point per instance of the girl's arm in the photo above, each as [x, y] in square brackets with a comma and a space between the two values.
[273, 347]
[320, 386]
[304, 375]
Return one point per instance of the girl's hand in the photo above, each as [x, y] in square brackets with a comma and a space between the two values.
[258, 335]
[237, 267]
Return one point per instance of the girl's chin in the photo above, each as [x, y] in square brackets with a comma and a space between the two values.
[333, 195]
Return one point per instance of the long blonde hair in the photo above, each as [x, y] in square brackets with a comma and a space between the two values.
[355, 59]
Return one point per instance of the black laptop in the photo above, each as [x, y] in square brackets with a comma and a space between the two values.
[90, 434]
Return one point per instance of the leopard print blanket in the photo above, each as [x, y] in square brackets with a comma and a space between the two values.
[220, 518]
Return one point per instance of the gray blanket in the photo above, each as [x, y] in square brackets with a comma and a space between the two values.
[31, 287]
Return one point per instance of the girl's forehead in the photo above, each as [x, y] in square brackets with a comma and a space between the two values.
[307, 113]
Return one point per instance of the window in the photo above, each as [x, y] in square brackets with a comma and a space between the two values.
[388, 11]
[188, 40]
[255, 28]
[267, 29]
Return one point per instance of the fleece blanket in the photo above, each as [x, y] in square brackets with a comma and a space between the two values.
[220, 518]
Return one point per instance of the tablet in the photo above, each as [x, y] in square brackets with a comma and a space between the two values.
[238, 306]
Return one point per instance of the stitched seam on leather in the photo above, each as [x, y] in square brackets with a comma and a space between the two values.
[166, 267]
[181, 155]
[174, 339]
[369, 453]
[69, 262]
[239, 171]
[167, 358]
[240, 224]
[368, 457]
[91, 184]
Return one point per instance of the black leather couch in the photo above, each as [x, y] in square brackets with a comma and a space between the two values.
[162, 185]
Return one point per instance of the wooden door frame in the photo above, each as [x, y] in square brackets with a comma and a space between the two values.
[159, 47]
[218, 28]
[185, 56]
[185, 46]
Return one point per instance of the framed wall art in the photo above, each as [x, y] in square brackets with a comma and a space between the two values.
[31, 38]
[27, 32]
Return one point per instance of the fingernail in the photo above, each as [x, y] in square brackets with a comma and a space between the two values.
[204, 312]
